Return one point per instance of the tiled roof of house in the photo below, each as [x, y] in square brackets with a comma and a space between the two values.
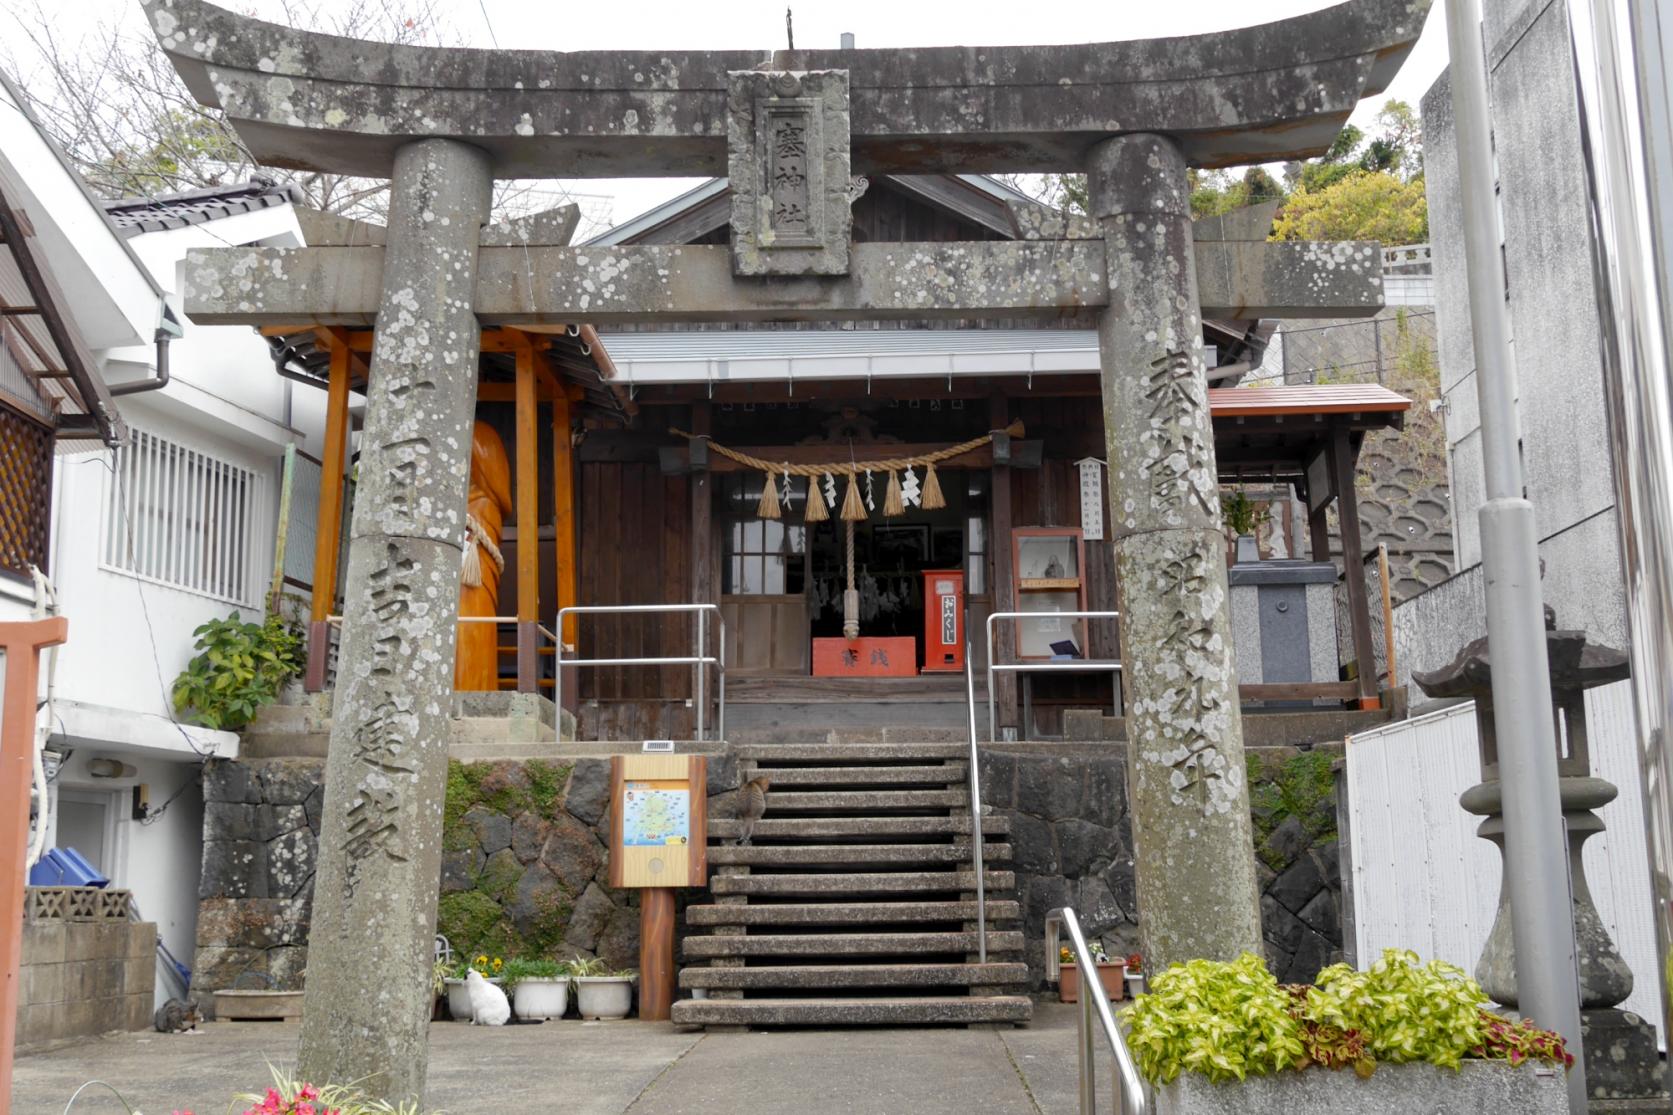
[134, 215]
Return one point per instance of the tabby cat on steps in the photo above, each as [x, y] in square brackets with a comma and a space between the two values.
[752, 802]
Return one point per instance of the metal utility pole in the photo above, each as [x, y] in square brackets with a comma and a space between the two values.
[1622, 64]
[1542, 920]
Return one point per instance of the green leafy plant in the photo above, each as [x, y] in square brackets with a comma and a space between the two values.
[491, 967]
[1239, 513]
[1233, 1020]
[595, 969]
[241, 667]
[517, 970]
[1407, 1010]
[1224, 1020]
[291, 1096]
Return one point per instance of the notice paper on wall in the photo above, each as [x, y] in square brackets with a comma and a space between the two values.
[1091, 498]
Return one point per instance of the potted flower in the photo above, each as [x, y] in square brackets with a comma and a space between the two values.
[1110, 973]
[458, 1000]
[1215, 1036]
[600, 992]
[1242, 519]
[1135, 975]
[539, 988]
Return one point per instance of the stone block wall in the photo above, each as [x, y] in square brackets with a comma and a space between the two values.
[524, 870]
[84, 978]
[1072, 845]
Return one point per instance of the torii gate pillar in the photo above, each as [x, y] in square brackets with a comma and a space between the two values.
[370, 950]
[1193, 846]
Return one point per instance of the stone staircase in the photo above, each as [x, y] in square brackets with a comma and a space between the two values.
[855, 903]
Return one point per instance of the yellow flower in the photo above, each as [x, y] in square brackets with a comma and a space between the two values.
[482, 960]
[498, 964]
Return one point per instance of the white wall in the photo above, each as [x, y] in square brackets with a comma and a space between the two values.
[158, 861]
[130, 637]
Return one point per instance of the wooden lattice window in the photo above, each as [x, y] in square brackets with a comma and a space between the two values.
[25, 492]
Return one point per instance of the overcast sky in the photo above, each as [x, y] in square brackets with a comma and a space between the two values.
[759, 24]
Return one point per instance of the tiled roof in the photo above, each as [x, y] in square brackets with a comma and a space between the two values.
[134, 215]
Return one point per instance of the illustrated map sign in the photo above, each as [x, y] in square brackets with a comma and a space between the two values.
[656, 814]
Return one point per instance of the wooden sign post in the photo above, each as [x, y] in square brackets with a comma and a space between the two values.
[659, 840]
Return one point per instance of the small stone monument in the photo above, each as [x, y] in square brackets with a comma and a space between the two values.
[1623, 1067]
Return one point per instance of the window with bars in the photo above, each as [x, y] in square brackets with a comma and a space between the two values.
[185, 518]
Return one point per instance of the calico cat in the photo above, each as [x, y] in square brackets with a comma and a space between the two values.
[752, 802]
[489, 1006]
[176, 1017]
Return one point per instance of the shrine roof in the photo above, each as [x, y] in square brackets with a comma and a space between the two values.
[1275, 91]
[135, 215]
[1366, 399]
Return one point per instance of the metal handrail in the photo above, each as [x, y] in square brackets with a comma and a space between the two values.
[976, 835]
[1132, 1095]
[1082, 665]
[699, 658]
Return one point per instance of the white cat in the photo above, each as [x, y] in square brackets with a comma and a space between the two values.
[489, 1006]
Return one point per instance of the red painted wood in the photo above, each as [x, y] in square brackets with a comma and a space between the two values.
[875, 658]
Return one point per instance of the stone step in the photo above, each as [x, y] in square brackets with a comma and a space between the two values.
[852, 753]
[844, 855]
[814, 976]
[949, 774]
[817, 828]
[866, 799]
[781, 734]
[853, 1012]
[848, 913]
[845, 944]
[880, 882]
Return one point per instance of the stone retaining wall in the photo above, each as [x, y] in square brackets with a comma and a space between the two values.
[1072, 846]
[524, 871]
[523, 866]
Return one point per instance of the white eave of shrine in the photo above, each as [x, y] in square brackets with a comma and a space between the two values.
[787, 356]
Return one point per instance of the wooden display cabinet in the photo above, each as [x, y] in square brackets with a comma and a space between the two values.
[1048, 570]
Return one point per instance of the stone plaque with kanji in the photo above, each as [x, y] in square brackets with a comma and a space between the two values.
[787, 140]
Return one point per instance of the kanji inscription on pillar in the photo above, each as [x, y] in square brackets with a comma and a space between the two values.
[787, 136]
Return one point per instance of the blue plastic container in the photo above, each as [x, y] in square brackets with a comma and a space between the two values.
[65, 867]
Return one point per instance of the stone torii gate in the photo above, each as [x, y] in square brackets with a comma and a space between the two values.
[790, 129]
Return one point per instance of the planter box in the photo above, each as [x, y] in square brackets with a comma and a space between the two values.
[604, 996]
[1481, 1087]
[258, 1006]
[541, 998]
[1113, 975]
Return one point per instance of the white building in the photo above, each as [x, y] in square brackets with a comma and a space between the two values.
[148, 540]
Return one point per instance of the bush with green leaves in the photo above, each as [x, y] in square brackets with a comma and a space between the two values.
[1233, 1020]
[517, 969]
[241, 668]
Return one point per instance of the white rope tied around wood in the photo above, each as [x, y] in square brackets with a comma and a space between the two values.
[476, 536]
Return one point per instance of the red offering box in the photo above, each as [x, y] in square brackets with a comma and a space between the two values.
[865, 658]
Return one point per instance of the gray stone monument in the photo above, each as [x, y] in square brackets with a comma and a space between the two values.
[1622, 1064]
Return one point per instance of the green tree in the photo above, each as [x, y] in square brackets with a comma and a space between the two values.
[1362, 205]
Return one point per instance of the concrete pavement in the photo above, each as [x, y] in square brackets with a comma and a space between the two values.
[603, 1068]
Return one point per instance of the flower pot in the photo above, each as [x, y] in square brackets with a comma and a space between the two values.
[541, 998]
[459, 1000]
[1112, 974]
[1480, 1086]
[604, 996]
[1247, 549]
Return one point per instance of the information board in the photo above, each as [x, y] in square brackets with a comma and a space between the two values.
[658, 821]
[656, 814]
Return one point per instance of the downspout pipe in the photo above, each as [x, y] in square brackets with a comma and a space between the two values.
[162, 339]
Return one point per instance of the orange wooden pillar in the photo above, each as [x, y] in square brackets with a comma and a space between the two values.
[528, 525]
[563, 509]
[328, 536]
[22, 643]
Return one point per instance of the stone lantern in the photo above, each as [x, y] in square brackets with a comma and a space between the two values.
[1621, 1057]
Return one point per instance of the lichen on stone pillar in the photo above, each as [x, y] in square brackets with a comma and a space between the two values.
[1193, 843]
[368, 996]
